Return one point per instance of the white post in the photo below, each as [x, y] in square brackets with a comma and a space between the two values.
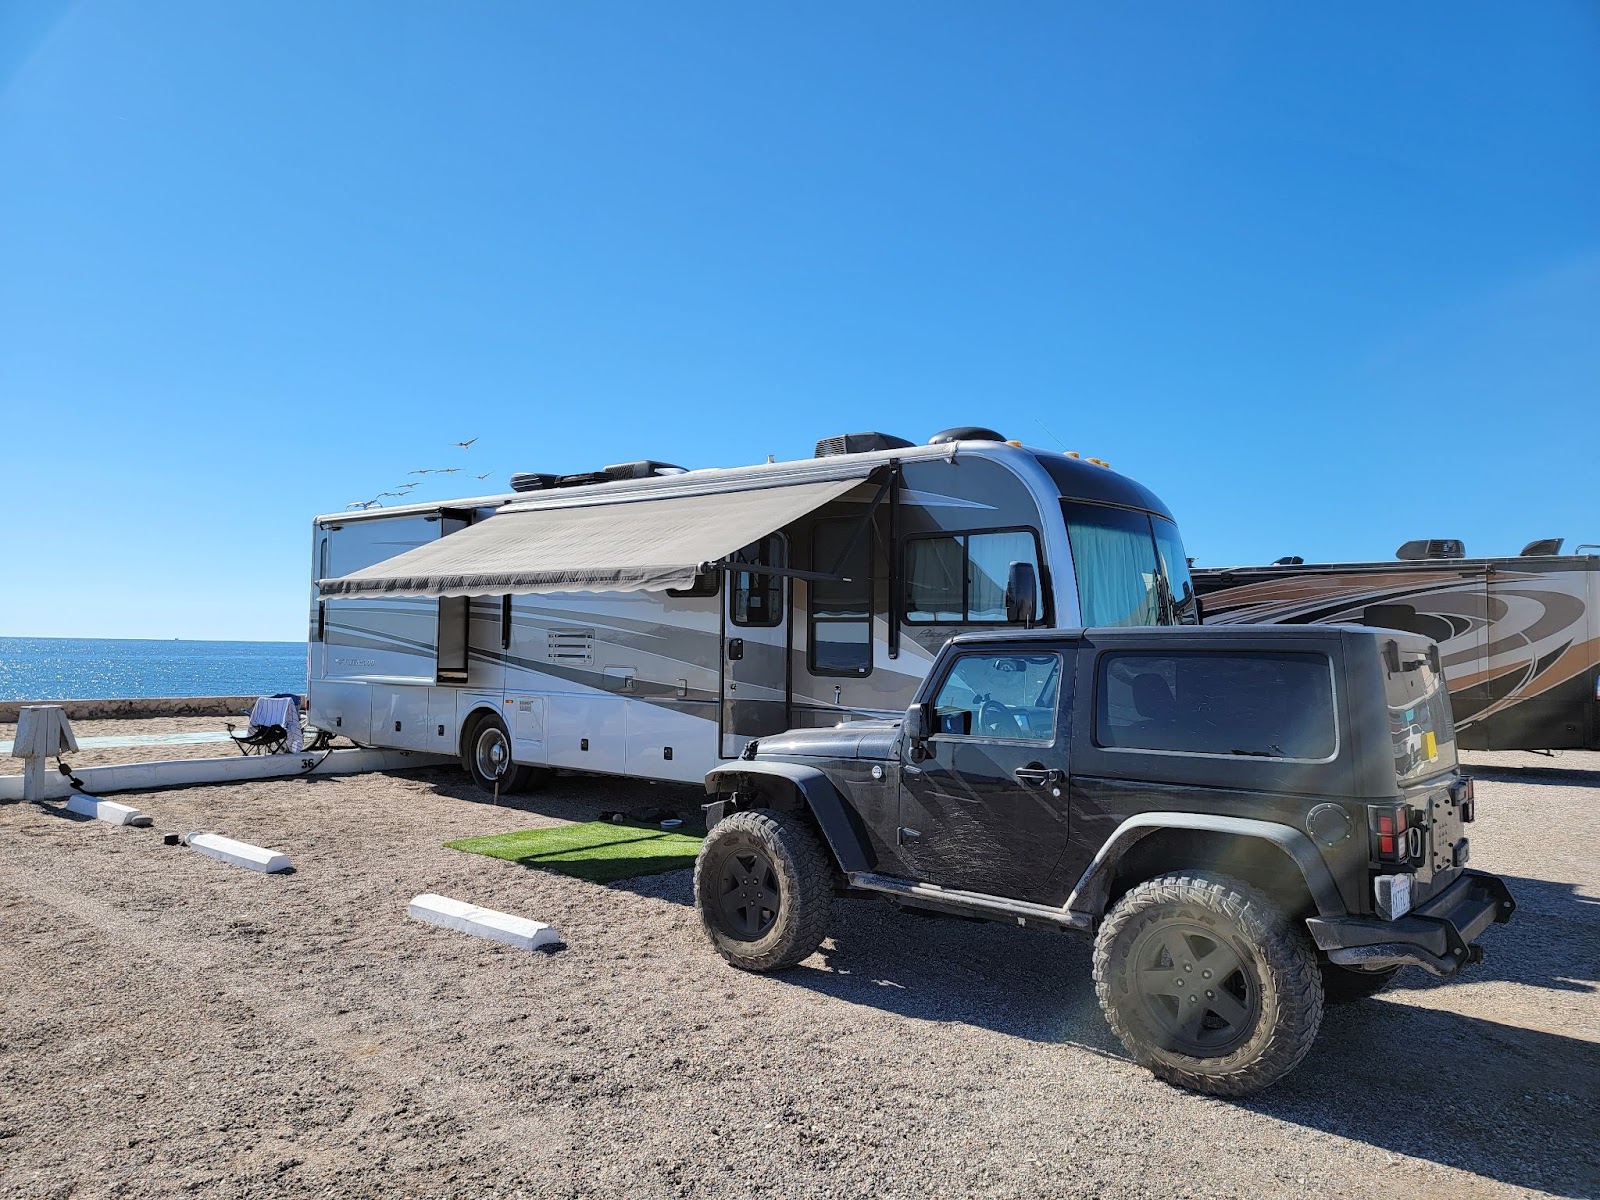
[43, 733]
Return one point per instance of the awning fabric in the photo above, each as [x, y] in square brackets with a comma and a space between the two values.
[628, 546]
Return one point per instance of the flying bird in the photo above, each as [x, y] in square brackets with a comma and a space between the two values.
[466, 444]
[486, 475]
[424, 471]
[381, 495]
[406, 487]
[447, 470]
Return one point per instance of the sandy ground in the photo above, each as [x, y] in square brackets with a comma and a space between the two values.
[173, 1026]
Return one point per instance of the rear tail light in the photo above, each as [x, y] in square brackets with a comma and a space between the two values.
[1392, 837]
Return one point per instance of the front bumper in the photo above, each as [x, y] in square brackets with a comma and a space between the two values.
[1437, 936]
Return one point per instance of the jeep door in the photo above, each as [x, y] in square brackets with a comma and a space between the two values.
[984, 807]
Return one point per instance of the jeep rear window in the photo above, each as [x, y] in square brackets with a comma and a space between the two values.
[1421, 724]
[1243, 705]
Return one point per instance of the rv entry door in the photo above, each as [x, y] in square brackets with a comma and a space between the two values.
[755, 646]
[454, 633]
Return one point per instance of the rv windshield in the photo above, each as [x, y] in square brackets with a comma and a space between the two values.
[1130, 566]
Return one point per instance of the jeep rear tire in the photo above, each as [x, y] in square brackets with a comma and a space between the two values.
[764, 888]
[1344, 985]
[1207, 984]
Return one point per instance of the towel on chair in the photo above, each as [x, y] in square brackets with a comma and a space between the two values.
[283, 711]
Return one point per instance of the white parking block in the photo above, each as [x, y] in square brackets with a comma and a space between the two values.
[240, 854]
[105, 810]
[482, 922]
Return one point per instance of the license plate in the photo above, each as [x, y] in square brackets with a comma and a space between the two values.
[1393, 896]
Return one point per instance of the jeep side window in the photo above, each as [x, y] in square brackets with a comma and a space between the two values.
[1244, 704]
[1007, 696]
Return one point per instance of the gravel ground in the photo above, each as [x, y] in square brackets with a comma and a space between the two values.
[174, 1026]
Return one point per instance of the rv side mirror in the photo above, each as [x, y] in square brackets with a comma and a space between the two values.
[1022, 593]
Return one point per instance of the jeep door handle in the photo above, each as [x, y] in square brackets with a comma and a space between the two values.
[1036, 776]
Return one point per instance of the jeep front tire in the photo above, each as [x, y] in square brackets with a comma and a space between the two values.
[764, 888]
[1207, 983]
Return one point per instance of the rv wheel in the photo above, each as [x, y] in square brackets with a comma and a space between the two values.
[488, 758]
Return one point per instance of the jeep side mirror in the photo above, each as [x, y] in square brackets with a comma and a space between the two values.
[1022, 593]
[917, 723]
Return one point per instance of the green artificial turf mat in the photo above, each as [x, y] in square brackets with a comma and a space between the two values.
[595, 850]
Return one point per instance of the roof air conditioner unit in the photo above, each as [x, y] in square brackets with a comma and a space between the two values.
[1431, 548]
[859, 443]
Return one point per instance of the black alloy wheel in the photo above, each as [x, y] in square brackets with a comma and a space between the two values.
[1199, 991]
[748, 899]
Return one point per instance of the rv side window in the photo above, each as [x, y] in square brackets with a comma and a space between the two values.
[960, 579]
[754, 598]
[841, 609]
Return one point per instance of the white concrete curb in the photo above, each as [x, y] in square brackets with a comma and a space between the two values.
[240, 854]
[105, 810]
[187, 772]
[482, 922]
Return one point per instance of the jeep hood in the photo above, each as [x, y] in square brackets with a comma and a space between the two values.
[854, 739]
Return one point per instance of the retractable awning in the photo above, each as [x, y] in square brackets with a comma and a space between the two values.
[640, 544]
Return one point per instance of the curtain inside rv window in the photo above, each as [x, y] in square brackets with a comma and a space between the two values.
[841, 610]
[960, 578]
[1114, 558]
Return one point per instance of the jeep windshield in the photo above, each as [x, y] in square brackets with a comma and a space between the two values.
[1130, 567]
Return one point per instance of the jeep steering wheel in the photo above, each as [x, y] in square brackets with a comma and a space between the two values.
[995, 718]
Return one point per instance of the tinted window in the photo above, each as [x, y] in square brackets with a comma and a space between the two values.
[754, 598]
[1000, 696]
[1421, 725]
[1249, 705]
[841, 609]
[961, 578]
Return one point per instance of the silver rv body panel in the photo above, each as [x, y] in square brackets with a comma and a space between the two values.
[665, 684]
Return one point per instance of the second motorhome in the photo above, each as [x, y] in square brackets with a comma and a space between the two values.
[1519, 637]
[649, 621]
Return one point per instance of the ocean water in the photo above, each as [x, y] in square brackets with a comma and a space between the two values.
[104, 668]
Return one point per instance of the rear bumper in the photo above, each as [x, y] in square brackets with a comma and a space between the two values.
[1438, 936]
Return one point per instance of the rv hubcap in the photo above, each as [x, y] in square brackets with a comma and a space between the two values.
[1197, 990]
[492, 755]
[747, 896]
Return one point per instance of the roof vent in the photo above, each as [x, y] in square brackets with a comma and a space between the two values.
[1431, 548]
[531, 481]
[859, 443]
[1541, 546]
[645, 468]
[965, 433]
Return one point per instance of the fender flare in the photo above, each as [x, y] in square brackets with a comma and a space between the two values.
[1094, 886]
[840, 826]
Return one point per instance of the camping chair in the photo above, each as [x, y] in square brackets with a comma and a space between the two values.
[275, 727]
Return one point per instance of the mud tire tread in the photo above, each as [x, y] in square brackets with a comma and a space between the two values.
[1292, 986]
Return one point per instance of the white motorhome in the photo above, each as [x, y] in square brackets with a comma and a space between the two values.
[648, 621]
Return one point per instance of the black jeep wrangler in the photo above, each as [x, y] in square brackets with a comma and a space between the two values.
[1248, 820]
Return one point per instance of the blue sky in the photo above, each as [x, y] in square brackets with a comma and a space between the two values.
[1324, 277]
